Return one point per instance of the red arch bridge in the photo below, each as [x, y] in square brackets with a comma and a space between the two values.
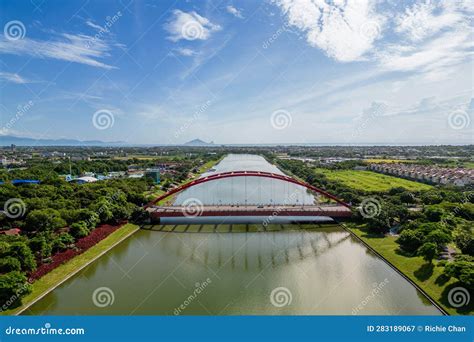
[335, 208]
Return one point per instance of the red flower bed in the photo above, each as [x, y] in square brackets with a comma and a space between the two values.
[82, 245]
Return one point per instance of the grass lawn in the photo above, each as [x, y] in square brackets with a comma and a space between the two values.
[371, 181]
[62, 272]
[428, 277]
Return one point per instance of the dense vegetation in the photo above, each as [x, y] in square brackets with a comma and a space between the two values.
[430, 222]
[58, 219]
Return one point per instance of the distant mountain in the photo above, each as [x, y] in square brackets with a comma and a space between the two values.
[198, 142]
[6, 140]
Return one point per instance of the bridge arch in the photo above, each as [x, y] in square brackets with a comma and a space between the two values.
[232, 174]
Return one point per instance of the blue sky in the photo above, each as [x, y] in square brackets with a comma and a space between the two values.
[283, 71]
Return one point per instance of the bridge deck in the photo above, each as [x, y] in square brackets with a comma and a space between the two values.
[252, 210]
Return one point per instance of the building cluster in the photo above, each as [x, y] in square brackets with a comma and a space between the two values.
[427, 174]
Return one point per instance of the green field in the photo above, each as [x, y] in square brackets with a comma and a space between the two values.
[429, 277]
[371, 181]
[380, 161]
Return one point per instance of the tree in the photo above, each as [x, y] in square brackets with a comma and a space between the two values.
[410, 240]
[463, 270]
[13, 285]
[438, 237]
[22, 252]
[433, 213]
[8, 264]
[139, 215]
[464, 238]
[41, 245]
[79, 229]
[62, 241]
[428, 251]
[44, 220]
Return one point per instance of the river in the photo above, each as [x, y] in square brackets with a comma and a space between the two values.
[321, 271]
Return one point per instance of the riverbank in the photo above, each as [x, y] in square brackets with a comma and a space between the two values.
[63, 272]
[427, 277]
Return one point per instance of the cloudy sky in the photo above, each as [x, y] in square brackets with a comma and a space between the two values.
[282, 71]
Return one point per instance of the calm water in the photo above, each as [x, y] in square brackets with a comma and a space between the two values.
[247, 190]
[322, 271]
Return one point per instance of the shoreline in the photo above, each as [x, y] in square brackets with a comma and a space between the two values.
[396, 269]
[19, 310]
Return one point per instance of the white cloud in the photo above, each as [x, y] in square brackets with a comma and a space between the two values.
[185, 52]
[425, 19]
[345, 31]
[14, 78]
[427, 37]
[78, 48]
[94, 26]
[438, 37]
[189, 26]
[235, 12]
